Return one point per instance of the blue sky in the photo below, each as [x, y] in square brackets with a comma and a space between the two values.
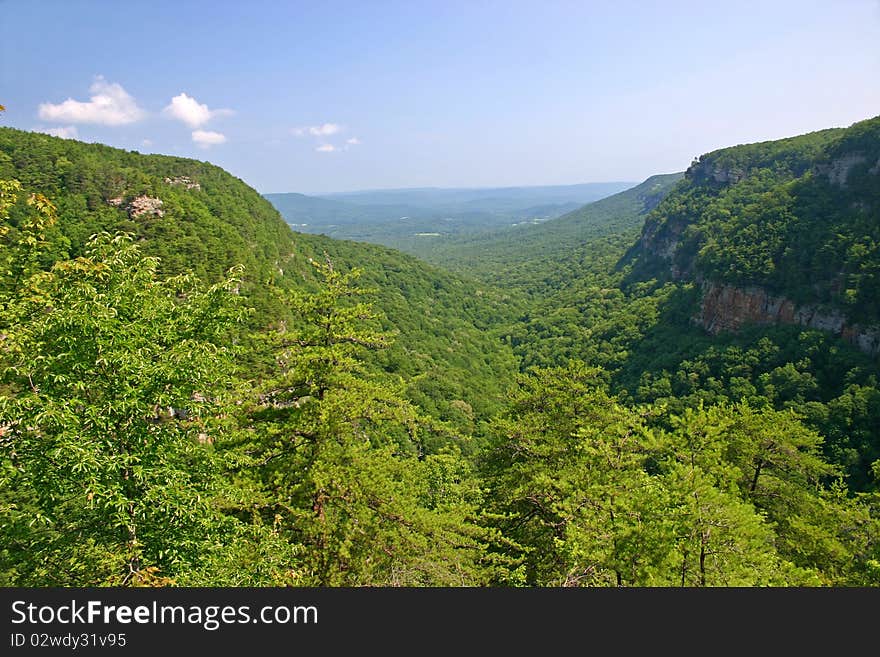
[332, 96]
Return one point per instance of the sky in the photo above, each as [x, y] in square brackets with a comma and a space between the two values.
[317, 97]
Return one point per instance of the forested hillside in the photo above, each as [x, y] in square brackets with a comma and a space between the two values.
[192, 394]
[799, 217]
[197, 218]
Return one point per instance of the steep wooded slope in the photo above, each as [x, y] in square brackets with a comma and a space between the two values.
[197, 217]
[779, 232]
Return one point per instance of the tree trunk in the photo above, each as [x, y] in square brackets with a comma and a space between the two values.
[684, 556]
[704, 539]
[759, 463]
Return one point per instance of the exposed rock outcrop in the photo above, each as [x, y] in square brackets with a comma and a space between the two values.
[145, 205]
[838, 170]
[706, 169]
[729, 308]
[659, 242]
[184, 181]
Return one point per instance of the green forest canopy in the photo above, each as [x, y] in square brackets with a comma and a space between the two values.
[194, 395]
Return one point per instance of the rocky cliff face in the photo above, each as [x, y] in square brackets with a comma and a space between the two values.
[837, 171]
[702, 170]
[661, 236]
[659, 242]
[728, 308]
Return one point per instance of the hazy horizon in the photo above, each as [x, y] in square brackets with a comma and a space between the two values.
[455, 188]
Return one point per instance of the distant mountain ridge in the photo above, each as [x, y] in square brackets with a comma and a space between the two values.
[394, 217]
[431, 197]
[316, 212]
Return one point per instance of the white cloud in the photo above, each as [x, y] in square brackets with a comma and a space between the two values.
[147, 142]
[191, 112]
[206, 138]
[354, 141]
[109, 104]
[63, 131]
[326, 148]
[323, 130]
